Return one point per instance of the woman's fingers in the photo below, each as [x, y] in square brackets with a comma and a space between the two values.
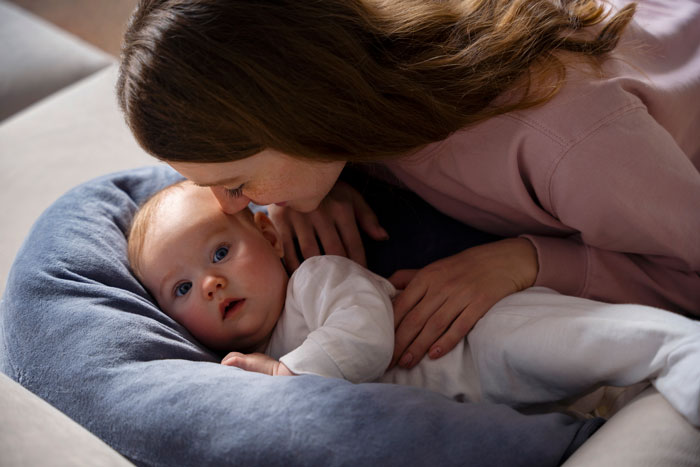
[409, 298]
[352, 240]
[478, 305]
[332, 227]
[402, 277]
[291, 260]
[440, 315]
[305, 232]
[330, 239]
[342, 207]
[464, 322]
[413, 309]
[406, 332]
[367, 219]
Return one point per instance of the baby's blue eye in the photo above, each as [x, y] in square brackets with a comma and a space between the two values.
[220, 254]
[182, 289]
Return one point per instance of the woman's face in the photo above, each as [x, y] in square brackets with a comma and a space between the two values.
[268, 177]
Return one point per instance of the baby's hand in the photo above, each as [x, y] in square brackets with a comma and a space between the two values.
[257, 362]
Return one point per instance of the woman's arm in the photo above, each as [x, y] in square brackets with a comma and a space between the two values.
[634, 198]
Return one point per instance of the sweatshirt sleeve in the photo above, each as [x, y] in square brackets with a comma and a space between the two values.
[634, 198]
[350, 314]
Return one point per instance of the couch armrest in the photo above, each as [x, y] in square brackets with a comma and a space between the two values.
[38, 58]
[70, 137]
[647, 432]
[32, 432]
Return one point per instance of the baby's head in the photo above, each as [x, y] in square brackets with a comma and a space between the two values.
[219, 275]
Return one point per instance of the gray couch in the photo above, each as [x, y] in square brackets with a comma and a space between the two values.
[59, 126]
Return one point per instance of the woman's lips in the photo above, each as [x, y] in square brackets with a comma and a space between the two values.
[230, 306]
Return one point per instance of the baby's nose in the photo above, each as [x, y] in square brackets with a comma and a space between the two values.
[213, 283]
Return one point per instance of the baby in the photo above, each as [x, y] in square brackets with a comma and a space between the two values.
[222, 278]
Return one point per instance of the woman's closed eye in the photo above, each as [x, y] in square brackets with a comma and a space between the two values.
[182, 288]
[220, 254]
[234, 192]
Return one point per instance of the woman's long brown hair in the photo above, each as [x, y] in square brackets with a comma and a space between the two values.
[353, 80]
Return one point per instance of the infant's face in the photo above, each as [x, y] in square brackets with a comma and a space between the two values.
[218, 275]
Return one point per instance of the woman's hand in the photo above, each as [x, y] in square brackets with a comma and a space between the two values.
[257, 362]
[334, 224]
[442, 302]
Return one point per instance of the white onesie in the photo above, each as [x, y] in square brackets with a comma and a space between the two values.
[532, 347]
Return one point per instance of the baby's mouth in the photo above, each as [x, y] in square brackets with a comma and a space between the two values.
[230, 306]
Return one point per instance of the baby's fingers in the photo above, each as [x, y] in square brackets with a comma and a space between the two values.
[232, 359]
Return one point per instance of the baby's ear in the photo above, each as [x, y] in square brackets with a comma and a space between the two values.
[268, 230]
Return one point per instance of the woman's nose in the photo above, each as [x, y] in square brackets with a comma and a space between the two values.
[229, 204]
[211, 284]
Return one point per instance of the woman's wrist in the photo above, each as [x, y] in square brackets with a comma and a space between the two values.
[527, 265]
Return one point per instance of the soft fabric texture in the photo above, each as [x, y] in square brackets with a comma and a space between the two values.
[532, 347]
[603, 178]
[78, 330]
[337, 321]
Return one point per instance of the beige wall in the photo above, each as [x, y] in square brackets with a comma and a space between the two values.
[100, 22]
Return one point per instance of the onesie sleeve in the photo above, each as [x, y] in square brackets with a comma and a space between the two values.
[634, 198]
[349, 312]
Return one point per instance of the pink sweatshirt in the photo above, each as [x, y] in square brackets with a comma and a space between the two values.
[603, 179]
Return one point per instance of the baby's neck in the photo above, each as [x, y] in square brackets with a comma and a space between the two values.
[262, 346]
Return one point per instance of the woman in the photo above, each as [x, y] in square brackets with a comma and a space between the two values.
[534, 120]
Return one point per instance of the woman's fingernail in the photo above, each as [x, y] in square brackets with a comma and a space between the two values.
[383, 234]
[435, 352]
[405, 360]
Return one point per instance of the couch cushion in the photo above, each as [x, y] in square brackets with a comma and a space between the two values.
[37, 59]
[34, 433]
[646, 432]
[68, 138]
